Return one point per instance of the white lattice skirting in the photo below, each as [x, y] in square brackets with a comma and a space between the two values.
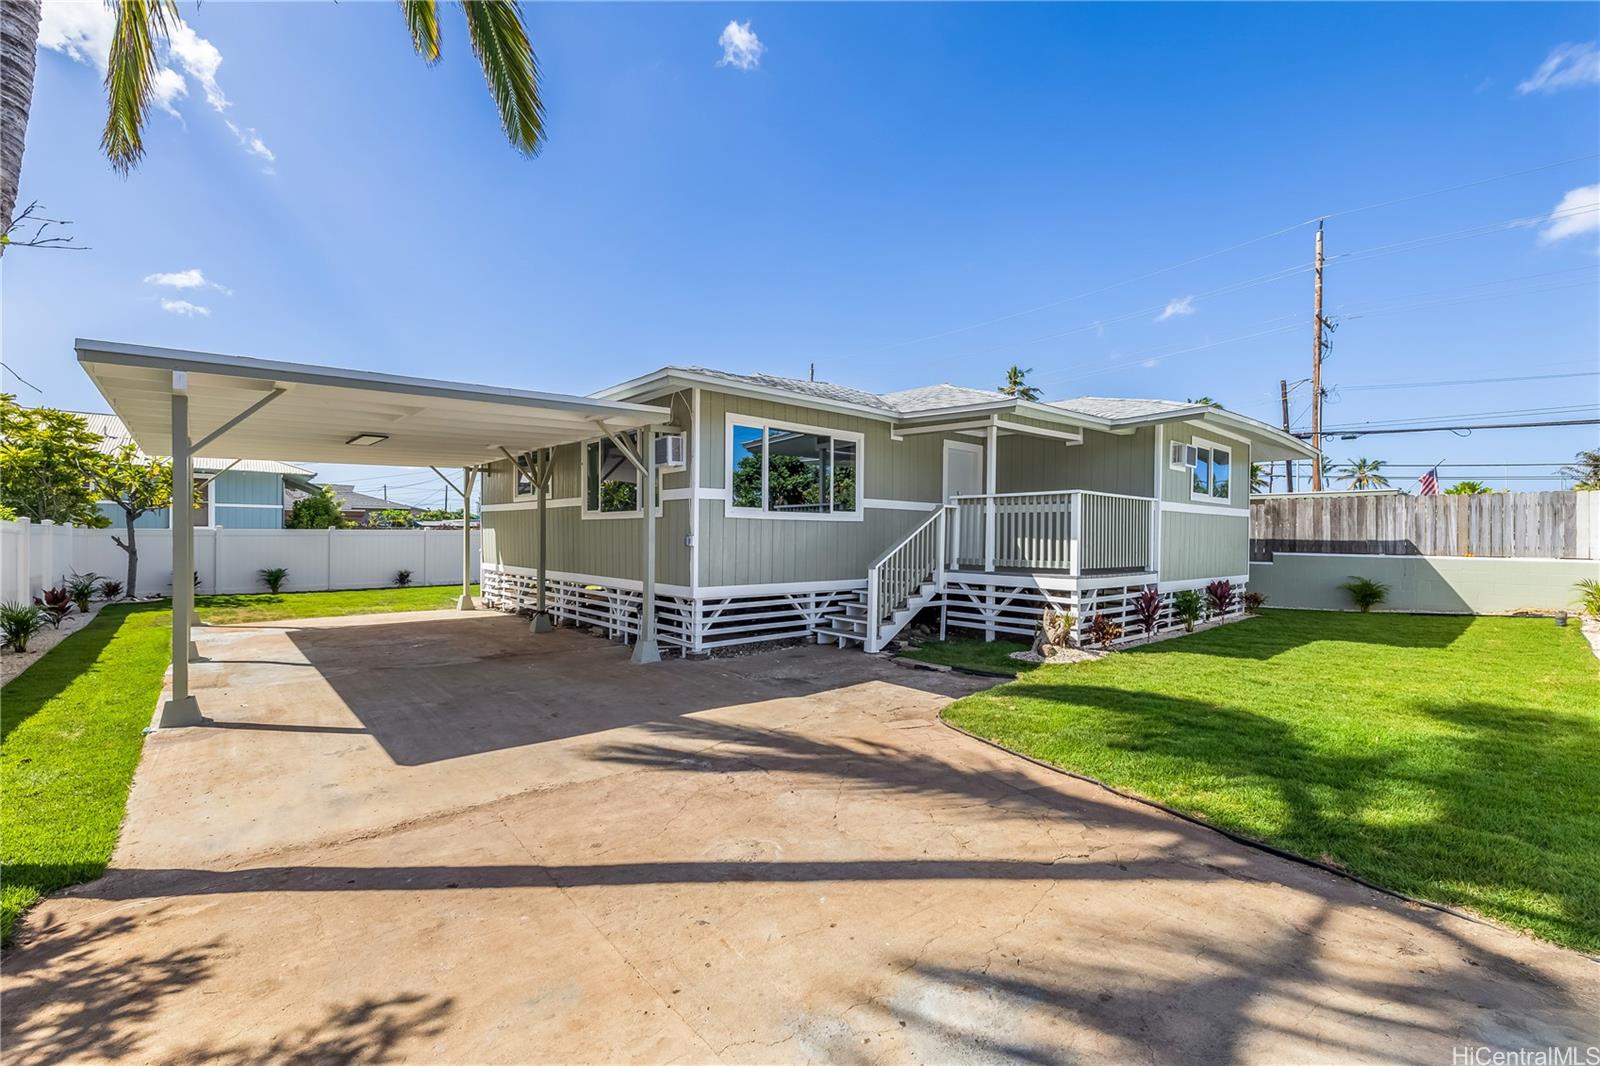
[694, 624]
[1012, 610]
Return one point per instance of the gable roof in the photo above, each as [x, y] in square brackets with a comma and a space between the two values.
[936, 397]
[114, 434]
[822, 390]
[350, 499]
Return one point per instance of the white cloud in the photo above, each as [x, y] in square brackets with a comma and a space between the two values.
[185, 308]
[740, 46]
[1568, 66]
[82, 30]
[1577, 213]
[1182, 305]
[193, 278]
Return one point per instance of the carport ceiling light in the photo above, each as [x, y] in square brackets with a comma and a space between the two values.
[367, 440]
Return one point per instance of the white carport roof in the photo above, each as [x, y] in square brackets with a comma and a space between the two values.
[424, 422]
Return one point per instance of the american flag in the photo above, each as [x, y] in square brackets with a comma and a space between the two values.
[1430, 482]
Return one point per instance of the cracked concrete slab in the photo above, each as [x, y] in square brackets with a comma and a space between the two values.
[435, 838]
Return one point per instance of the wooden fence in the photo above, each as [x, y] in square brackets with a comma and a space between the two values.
[1506, 525]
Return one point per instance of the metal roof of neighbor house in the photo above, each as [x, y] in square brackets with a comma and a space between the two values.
[351, 500]
[114, 434]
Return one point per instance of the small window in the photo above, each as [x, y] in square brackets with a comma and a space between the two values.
[1210, 471]
[791, 470]
[611, 481]
[524, 476]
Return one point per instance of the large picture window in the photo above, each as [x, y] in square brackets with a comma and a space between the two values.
[792, 471]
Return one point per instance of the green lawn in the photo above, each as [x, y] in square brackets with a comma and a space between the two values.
[70, 730]
[987, 657]
[1454, 759]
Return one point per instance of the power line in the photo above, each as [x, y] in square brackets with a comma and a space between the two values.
[22, 379]
[1467, 381]
[1457, 429]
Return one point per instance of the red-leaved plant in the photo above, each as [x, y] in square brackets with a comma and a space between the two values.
[1220, 596]
[57, 604]
[1147, 607]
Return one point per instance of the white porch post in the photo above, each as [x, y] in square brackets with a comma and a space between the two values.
[991, 446]
[181, 709]
[464, 603]
[645, 649]
[541, 617]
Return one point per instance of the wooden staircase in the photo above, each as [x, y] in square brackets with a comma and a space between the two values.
[852, 625]
[900, 582]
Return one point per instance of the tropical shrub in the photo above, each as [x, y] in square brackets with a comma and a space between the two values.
[110, 589]
[56, 604]
[274, 577]
[1366, 592]
[19, 622]
[1220, 595]
[1253, 601]
[1188, 606]
[82, 589]
[1147, 608]
[1103, 631]
[402, 578]
[320, 510]
[1589, 597]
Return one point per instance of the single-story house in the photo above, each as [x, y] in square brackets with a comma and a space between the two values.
[790, 508]
[356, 507]
[236, 494]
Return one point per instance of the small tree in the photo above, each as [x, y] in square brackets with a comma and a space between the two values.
[1366, 592]
[1585, 470]
[1468, 488]
[319, 510]
[1017, 385]
[137, 485]
[45, 459]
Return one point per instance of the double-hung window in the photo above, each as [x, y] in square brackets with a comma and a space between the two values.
[789, 471]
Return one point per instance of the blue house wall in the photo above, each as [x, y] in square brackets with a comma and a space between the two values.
[241, 500]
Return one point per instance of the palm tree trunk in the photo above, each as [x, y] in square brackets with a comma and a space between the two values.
[19, 43]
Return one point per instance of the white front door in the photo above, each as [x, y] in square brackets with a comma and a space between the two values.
[963, 469]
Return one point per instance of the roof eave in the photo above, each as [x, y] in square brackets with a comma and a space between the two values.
[673, 378]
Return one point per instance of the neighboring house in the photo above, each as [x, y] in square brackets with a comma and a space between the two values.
[794, 507]
[356, 506]
[247, 494]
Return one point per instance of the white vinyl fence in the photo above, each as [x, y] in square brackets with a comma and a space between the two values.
[34, 555]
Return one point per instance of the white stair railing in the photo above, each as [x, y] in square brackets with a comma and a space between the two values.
[897, 574]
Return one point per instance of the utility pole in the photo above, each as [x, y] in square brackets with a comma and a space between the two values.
[1288, 464]
[1316, 369]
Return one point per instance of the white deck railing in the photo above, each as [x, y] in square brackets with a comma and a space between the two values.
[1075, 532]
[896, 574]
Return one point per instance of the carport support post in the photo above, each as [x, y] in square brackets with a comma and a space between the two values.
[541, 616]
[181, 709]
[465, 602]
[645, 649]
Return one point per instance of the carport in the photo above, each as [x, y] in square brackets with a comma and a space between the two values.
[179, 402]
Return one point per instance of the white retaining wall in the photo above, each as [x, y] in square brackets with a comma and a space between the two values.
[33, 555]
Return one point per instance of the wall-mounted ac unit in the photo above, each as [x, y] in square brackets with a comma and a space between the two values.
[670, 451]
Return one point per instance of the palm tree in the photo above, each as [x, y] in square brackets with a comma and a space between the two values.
[1260, 478]
[1584, 469]
[19, 46]
[494, 27]
[1468, 488]
[1205, 401]
[1364, 474]
[1016, 386]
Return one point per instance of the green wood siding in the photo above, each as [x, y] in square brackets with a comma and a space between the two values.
[757, 551]
[1175, 483]
[1104, 462]
[1203, 545]
[610, 547]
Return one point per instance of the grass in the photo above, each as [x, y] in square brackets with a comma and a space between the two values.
[1453, 759]
[986, 657]
[272, 607]
[71, 730]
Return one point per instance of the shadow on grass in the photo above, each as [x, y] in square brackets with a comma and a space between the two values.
[1494, 812]
[1274, 632]
[54, 672]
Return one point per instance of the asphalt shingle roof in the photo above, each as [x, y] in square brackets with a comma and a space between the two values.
[934, 397]
[1113, 407]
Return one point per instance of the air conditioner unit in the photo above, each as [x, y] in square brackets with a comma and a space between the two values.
[670, 451]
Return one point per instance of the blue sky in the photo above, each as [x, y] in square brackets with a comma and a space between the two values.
[900, 194]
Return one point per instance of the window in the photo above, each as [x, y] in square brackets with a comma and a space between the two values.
[522, 471]
[794, 471]
[1210, 469]
[610, 480]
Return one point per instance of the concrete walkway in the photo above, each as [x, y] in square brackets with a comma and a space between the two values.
[435, 838]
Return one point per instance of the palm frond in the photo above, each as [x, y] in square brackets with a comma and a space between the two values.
[422, 19]
[501, 45]
[130, 75]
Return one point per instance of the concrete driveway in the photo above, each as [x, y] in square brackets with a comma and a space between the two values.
[432, 837]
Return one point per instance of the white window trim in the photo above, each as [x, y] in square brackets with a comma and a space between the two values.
[754, 422]
[1207, 498]
[583, 485]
